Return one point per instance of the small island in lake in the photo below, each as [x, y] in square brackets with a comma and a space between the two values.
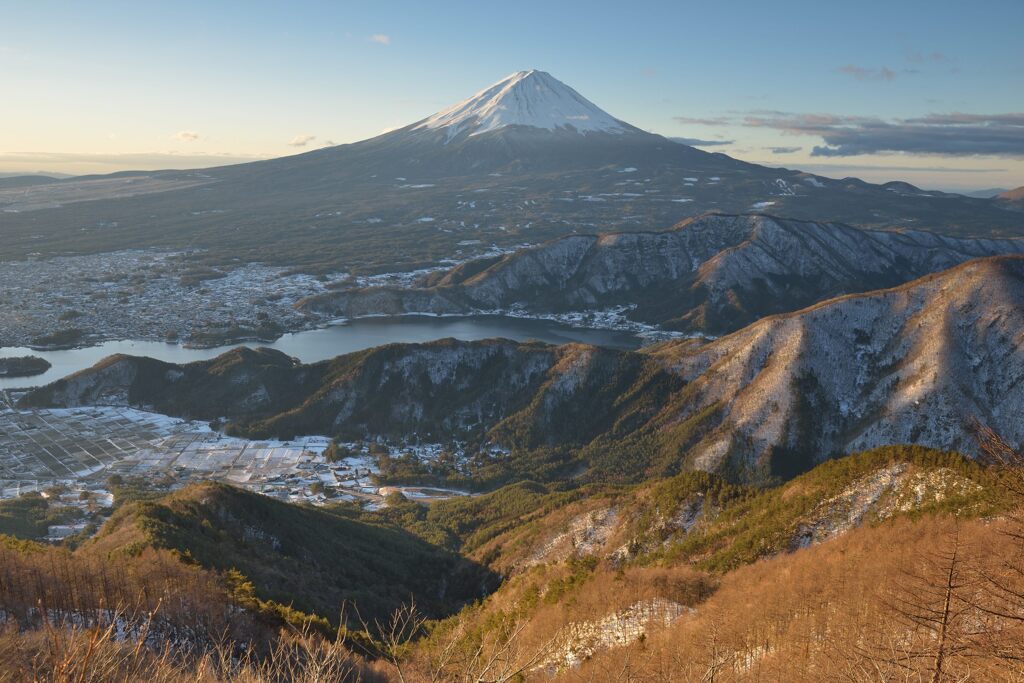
[23, 366]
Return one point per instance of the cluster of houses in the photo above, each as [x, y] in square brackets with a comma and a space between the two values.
[142, 295]
[89, 502]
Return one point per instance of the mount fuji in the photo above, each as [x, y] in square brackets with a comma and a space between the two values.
[527, 121]
[523, 161]
[526, 98]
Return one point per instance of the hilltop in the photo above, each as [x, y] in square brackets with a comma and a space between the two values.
[312, 559]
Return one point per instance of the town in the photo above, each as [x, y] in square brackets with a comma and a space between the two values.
[141, 295]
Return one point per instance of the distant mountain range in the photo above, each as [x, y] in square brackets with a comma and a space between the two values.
[711, 274]
[526, 160]
[987, 193]
[913, 364]
[1016, 196]
[15, 181]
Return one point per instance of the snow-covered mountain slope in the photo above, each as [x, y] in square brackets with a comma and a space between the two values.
[712, 274]
[526, 98]
[914, 364]
[909, 365]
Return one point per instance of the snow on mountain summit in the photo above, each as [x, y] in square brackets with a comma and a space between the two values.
[526, 98]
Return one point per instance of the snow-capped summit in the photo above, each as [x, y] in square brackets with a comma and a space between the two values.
[526, 98]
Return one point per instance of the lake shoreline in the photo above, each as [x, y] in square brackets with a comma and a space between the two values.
[337, 338]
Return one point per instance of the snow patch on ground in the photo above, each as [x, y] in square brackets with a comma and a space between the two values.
[586, 534]
[880, 495]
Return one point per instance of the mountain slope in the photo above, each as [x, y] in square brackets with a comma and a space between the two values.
[338, 558]
[820, 614]
[657, 577]
[827, 613]
[526, 160]
[702, 519]
[605, 575]
[907, 365]
[712, 274]
[527, 395]
[913, 364]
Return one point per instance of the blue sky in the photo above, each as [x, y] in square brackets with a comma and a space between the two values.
[103, 85]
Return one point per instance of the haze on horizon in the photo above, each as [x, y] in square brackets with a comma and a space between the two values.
[876, 91]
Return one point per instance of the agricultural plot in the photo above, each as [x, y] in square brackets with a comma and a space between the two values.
[70, 444]
[85, 446]
[39, 448]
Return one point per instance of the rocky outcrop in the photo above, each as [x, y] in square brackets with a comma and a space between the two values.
[579, 641]
[712, 274]
[586, 534]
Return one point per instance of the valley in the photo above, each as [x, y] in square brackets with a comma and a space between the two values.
[518, 391]
[759, 405]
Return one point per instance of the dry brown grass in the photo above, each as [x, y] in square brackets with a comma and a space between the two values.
[865, 607]
[61, 654]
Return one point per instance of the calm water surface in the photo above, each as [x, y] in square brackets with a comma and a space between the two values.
[315, 345]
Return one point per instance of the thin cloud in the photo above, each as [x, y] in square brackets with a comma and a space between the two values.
[115, 158]
[697, 142]
[186, 136]
[862, 73]
[783, 150]
[301, 140]
[686, 120]
[380, 39]
[958, 118]
[878, 167]
[924, 58]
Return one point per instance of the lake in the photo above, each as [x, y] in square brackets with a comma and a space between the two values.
[314, 345]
